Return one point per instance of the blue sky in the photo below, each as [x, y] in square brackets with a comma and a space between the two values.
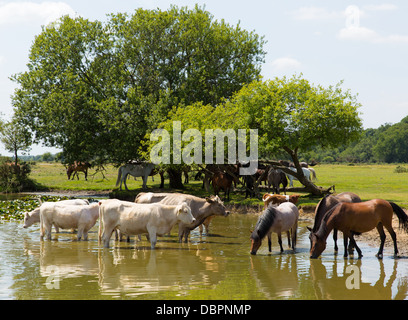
[364, 43]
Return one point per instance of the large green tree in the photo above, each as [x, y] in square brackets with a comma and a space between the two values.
[291, 115]
[94, 89]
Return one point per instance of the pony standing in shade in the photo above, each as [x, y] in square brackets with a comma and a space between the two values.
[276, 219]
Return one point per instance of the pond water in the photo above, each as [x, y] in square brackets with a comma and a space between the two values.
[217, 266]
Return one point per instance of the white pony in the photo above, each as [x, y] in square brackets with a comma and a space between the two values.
[137, 170]
[306, 173]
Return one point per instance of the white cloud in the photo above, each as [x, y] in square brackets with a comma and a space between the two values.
[315, 13]
[368, 35]
[381, 7]
[285, 63]
[30, 12]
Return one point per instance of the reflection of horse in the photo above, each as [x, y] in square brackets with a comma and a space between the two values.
[76, 167]
[276, 219]
[357, 218]
[276, 177]
[326, 204]
[137, 170]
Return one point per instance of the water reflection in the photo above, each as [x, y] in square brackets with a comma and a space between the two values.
[217, 266]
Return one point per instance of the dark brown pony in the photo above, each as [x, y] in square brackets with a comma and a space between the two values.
[326, 204]
[76, 167]
[357, 218]
[222, 181]
[276, 177]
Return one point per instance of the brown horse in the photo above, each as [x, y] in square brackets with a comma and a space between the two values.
[278, 199]
[326, 204]
[357, 218]
[76, 167]
[222, 181]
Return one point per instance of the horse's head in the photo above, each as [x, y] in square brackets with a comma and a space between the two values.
[317, 245]
[256, 242]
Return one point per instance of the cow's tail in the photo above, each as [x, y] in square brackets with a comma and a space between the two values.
[119, 176]
[402, 216]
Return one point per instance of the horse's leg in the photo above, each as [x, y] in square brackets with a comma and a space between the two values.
[280, 241]
[354, 244]
[86, 174]
[394, 238]
[124, 182]
[288, 234]
[294, 235]
[270, 241]
[336, 248]
[381, 232]
[345, 243]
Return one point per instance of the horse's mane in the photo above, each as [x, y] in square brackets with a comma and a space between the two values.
[264, 223]
[319, 213]
[322, 229]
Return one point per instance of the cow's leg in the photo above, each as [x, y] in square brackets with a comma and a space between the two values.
[106, 235]
[79, 234]
[152, 235]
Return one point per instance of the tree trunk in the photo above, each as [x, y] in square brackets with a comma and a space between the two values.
[175, 179]
[309, 185]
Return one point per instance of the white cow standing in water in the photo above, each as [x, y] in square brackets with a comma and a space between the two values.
[82, 218]
[34, 216]
[133, 219]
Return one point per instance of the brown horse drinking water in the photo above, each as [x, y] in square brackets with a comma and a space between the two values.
[357, 218]
[325, 205]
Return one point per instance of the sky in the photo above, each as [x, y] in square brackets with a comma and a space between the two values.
[362, 43]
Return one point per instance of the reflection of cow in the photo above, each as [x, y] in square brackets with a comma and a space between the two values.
[137, 170]
[76, 167]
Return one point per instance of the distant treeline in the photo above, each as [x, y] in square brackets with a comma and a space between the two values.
[388, 143]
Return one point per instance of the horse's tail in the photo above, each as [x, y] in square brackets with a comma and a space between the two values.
[119, 176]
[402, 217]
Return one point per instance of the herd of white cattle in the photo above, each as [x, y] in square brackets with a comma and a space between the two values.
[153, 214]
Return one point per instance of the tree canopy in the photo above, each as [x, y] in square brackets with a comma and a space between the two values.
[94, 89]
[291, 115]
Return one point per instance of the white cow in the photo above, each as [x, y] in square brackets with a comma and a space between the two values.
[82, 218]
[34, 216]
[137, 170]
[133, 219]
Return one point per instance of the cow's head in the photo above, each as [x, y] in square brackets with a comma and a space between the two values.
[30, 218]
[184, 213]
[217, 206]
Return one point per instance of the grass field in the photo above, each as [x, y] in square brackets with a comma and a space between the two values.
[368, 181]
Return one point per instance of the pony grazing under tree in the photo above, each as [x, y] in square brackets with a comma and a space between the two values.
[276, 219]
[357, 218]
